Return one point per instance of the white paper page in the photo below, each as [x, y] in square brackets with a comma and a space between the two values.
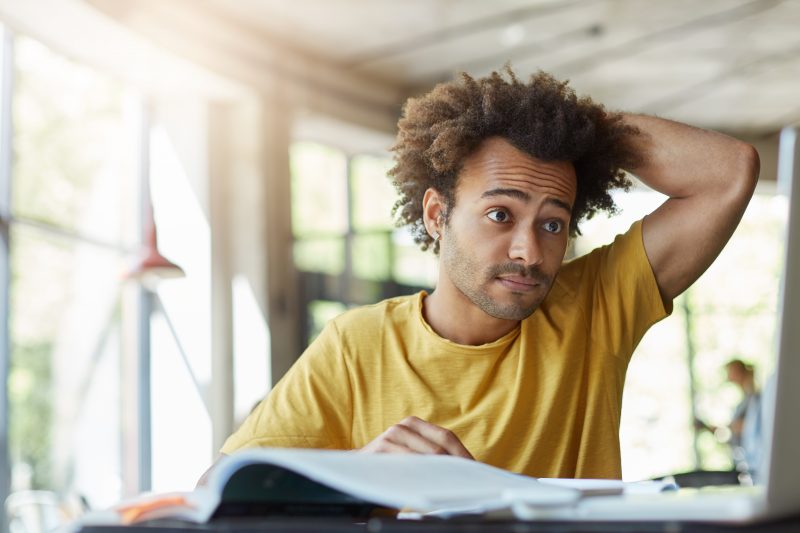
[412, 481]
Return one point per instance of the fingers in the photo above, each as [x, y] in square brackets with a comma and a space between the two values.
[414, 435]
[386, 446]
[403, 435]
[436, 437]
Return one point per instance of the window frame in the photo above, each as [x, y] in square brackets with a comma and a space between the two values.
[137, 321]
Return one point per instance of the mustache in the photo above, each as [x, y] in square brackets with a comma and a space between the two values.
[532, 272]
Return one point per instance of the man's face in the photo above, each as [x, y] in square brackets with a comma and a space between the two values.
[506, 237]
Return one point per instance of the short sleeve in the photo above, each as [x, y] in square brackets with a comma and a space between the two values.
[310, 407]
[619, 294]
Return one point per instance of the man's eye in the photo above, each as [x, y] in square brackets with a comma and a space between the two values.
[553, 226]
[498, 215]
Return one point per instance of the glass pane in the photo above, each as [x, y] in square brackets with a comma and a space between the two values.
[319, 190]
[65, 430]
[319, 313]
[181, 425]
[320, 255]
[372, 256]
[73, 150]
[728, 325]
[252, 376]
[184, 237]
[373, 193]
[180, 335]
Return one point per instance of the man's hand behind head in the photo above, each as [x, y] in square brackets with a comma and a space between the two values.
[414, 435]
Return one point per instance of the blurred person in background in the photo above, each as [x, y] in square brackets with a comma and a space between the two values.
[744, 430]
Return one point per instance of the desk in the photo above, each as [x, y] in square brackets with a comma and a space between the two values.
[463, 525]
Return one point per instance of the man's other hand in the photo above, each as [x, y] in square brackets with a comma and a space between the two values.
[414, 435]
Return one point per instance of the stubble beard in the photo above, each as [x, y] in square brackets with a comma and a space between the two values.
[464, 273]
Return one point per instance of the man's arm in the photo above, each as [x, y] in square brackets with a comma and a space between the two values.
[709, 178]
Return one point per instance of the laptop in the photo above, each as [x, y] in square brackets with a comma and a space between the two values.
[776, 493]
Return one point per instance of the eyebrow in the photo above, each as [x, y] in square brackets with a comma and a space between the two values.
[521, 195]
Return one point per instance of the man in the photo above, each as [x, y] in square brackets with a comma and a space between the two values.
[745, 424]
[515, 359]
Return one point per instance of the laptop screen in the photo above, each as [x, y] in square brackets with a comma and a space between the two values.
[782, 393]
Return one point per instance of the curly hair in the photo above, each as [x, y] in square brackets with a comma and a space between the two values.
[542, 118]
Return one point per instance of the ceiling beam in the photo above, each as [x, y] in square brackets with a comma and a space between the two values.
[80, 32]
[187, 29]
[426, 40]
[645, 41]
[559, 41]
[702, 88]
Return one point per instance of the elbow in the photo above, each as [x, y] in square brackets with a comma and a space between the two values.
[737, 182]
[748, 169]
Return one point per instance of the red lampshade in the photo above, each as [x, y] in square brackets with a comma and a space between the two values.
[152, 267]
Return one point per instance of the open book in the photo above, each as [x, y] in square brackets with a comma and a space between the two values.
[270, 481]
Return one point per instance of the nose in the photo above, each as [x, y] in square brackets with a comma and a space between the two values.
[525, 247]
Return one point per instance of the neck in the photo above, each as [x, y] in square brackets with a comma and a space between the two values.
[455, 318]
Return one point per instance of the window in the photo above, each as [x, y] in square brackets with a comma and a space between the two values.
[73, 221]
[82, 141]
[347, 248]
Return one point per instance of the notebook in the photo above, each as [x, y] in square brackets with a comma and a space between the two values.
[776, 493]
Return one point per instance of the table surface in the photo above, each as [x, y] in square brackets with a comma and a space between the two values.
[463, 525]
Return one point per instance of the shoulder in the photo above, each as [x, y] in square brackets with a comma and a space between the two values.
[625, 254]
[369, 319]
[615, 290]
[359, 329]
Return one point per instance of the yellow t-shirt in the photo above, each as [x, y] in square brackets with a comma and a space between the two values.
[544, 400]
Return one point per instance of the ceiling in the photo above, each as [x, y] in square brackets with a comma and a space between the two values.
[733, 65]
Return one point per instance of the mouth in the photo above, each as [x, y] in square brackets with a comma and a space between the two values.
[518, 283]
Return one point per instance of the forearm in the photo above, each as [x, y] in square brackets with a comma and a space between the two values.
[682, 161]
[709, 179]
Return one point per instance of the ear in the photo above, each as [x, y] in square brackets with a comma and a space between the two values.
[432, 211]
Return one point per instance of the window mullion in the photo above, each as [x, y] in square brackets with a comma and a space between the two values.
[6, 89]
